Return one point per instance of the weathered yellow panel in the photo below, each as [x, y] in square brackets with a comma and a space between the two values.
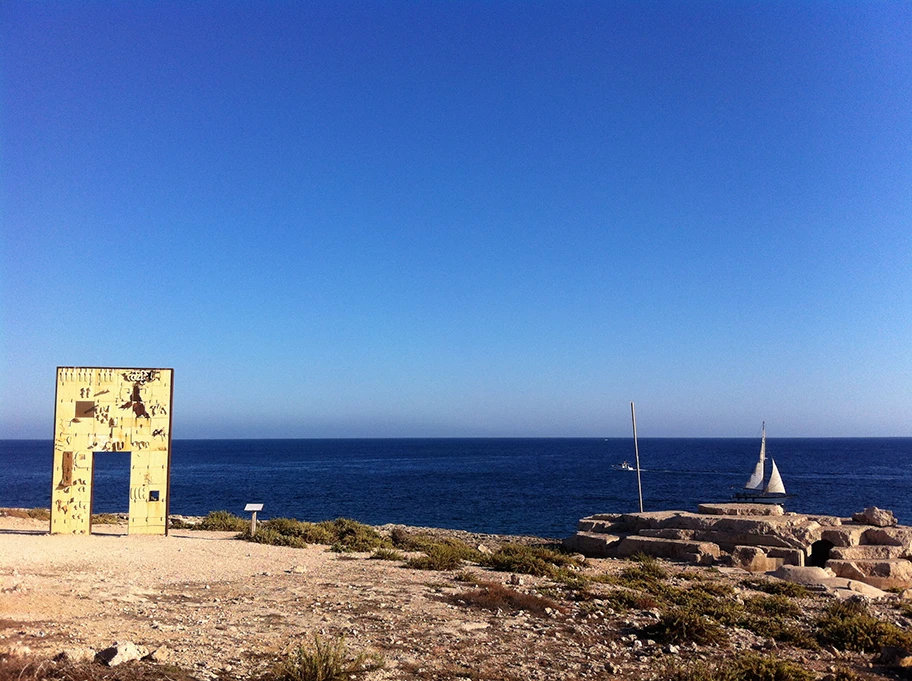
[112, 410]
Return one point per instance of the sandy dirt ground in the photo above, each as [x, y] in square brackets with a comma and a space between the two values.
[220, 605]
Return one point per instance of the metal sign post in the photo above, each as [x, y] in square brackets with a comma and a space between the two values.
[636, 449]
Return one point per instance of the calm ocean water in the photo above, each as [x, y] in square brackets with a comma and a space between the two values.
[517, 486]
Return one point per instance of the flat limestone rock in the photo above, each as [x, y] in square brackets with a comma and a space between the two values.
[741, 509]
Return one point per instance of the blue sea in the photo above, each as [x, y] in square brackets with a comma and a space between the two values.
[508, 486]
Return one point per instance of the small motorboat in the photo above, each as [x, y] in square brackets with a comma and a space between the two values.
[624, 466]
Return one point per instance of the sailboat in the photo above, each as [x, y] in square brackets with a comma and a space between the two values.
[754, 489]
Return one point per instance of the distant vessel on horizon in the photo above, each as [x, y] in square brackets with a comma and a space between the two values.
[754, 489]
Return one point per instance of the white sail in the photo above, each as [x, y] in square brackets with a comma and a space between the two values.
[756, 478]
[774, 486]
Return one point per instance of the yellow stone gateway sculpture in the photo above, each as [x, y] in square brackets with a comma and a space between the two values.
[112, 410]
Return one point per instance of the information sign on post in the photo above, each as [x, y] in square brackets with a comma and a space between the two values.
[253, 508]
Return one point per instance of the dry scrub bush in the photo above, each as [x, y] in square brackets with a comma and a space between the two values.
[33, 513]
[494, 596]
[681, 625]
[35, 669]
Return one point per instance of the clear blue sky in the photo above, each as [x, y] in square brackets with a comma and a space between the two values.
[463, 218]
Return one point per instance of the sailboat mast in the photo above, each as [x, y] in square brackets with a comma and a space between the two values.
[636, 449]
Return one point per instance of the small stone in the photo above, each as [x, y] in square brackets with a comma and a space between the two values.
[160, 655]
[120, 653]
[75, 654]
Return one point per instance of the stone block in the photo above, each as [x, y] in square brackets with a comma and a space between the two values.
[884, 574]
[668, 533]
[754, 559]
[844, 535]
[892, 536]
[593, 544]
[741, 509]
[604, 526]
[867, 552]
[788, 556]
[701, 553]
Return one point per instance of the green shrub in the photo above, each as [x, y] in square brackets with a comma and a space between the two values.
[625, 599]
[529, 560]
[322, 660]
[350, 535]
[222, 521]
[646, 574]
[404, 540]
[848, 625]
[782, 630]
[681, 625]
[772, 606]
[725, 611]
[105, 519]
[387, 554]
[342, 534]
[776, 587]
[446, 555]
[267, 535]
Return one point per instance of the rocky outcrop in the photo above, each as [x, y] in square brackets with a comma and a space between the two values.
[875, 516]
[871, 548]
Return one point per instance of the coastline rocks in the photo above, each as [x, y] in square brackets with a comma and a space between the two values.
[875, 516]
